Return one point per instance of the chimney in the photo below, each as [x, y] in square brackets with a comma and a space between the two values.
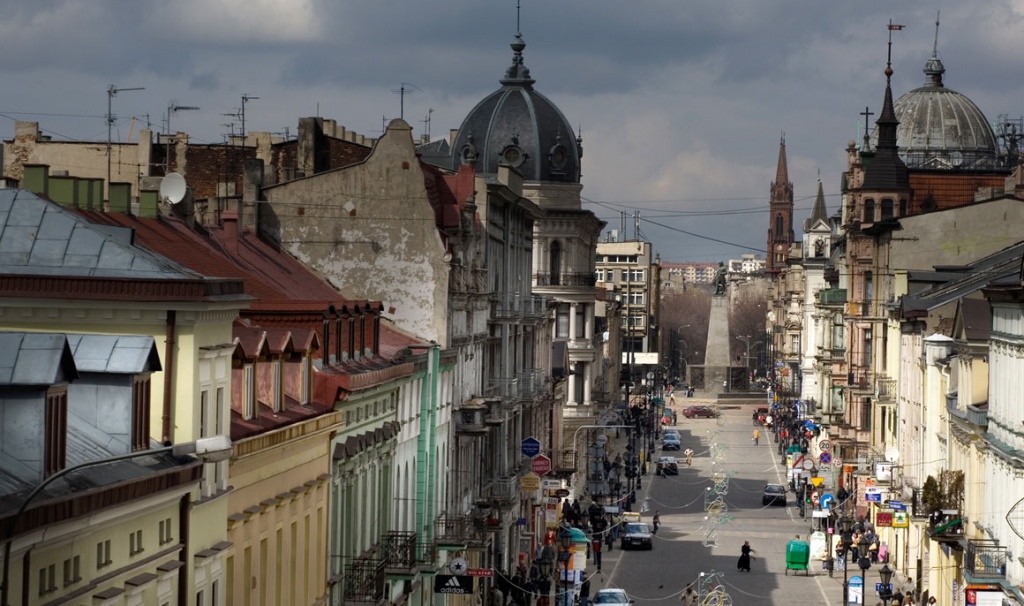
[252, 182]
[229, 222]
[148, 203]
[64, 191]
[305, 155]
[120, 197]
[36, 179]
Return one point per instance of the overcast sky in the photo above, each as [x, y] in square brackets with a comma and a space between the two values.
[681, 103]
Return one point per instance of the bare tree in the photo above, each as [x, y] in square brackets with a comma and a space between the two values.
[747, 323]
[684, 321]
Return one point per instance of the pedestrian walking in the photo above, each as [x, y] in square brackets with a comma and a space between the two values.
[689, 596]
[746, 555]
[754, 418]
[584, 590]
[688, 453]
[755, 436]
[657, 521]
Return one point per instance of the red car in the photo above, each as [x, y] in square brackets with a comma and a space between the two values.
[706, 412]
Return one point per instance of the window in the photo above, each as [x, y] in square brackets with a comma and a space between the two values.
[837, 331]
[555, 262]
[135, 543]
[166, 535]
[200, 599]
[306, 378]
[837, 400]
[865, 414]
[47, 579]
[887, 209]
[869, 210]
[56, 430]
[248, 392]
[140, 413]
[562, 322]
[636, 298]
[71, 571]
[277, 385]
[779, 227]
[866, 361]
[636, 275]
[204, 414]
[869, 291]
[103, 554]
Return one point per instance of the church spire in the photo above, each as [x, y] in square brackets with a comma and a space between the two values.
[818, 211]
[782, 171]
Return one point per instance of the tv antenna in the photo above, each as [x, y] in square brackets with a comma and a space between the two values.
[426, 122]
[171, 110]
[111, 93]
[404, 89]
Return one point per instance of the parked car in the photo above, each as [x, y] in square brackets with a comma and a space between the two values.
[670, 432]
[637, 535]
[774, 494]
[670, 442]
[667, 466]
[696, 412]
[611, 596]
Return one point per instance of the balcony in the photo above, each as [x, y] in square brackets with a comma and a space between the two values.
[399, 552]
[364, 581]
[503, 387]
[579, 280]
[985, 560]
[832, 296]
[978, 415]
[452, 530]
[946, 526]
[470, 418]
[513, 306]
[501, 490]
[885, 389]
[532, 382]
[535, 307]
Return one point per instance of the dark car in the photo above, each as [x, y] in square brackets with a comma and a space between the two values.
[667, 466]
[774, 494]
[637, 535]
[670, 442]
[697, 412]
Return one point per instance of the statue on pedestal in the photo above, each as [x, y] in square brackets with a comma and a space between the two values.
[719, 280]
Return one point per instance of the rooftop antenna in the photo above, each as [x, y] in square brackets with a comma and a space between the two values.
[171, 110]
[401, 91]
[245, 99]
[111, 93]
[426, 122]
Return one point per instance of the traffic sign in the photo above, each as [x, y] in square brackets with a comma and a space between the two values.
[815, 498]
[825, 445]
[897, 505]
[825, 458]
[815, 481]
[826, 500]
[530, 447]
[823, 468]
[540, 465]
[808, 464]
[837, 462]
[798, 462]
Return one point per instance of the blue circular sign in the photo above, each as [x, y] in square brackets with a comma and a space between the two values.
[825, 458]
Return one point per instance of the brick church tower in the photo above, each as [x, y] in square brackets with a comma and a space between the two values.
[780, 216]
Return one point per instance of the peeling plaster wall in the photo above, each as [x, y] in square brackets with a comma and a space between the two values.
[369, 230]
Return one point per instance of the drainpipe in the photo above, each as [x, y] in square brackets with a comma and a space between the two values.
[434, 365]
[165, 431]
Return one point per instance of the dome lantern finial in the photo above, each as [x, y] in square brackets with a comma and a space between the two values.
[933, 68]
[518, 74]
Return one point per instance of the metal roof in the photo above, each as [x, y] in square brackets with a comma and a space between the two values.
[124, 354]
[39, 359]
[39, 237]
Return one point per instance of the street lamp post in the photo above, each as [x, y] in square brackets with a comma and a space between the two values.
[846, 524]
[565, 556]
[209, 450]
[885, 573]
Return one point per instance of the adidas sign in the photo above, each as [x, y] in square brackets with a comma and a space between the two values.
[453, 584]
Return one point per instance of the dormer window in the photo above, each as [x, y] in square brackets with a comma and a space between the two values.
[140, 412]
[56, 430]
[513, 156]
[559, 157]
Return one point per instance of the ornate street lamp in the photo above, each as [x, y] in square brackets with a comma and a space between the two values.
[565, 556]
[886, 575]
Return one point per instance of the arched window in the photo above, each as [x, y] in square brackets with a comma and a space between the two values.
[555, 262]
[779, 226]
[886, 208]
[869, 210]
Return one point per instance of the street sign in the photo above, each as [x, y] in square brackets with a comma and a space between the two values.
[530, 482]
[798, 462]
[479, 572]
[825, 445]
[824, 468]
[826, 500]
[563, 492]
[540, 465]
[879, 587]
[815, 498]
[808, 464]
[873, 496]
[551, 484]
[825, 458]
[816, 481]
[530, 447]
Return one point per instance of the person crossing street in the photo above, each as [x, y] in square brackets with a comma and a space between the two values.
[755, 436]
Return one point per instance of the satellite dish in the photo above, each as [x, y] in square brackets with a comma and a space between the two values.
[892, 454]
[173, 188]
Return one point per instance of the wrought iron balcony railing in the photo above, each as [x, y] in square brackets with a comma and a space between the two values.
[364, 581]
[531, 382]
[399, 547]
[452, 529]
[985, 559]
[565, 279]
[502, 490]
[885, 389]
[503, 387]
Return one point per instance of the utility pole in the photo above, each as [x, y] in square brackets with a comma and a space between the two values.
[111, 93]
[245, 99]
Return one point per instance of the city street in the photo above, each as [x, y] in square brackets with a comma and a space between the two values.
[678, 557]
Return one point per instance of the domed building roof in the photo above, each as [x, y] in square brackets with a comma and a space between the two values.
[941, 128]
[521, 127]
